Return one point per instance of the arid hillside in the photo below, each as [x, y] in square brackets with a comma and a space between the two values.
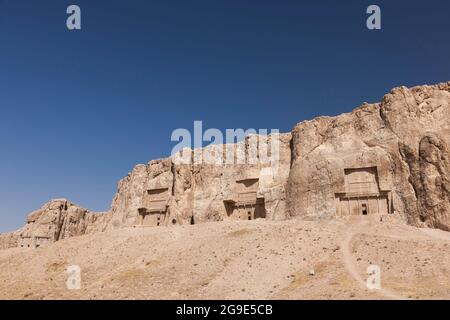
[258, 259]
[323, 203]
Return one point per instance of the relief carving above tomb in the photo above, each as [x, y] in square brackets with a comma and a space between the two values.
[362, 195]
[155, 207]
[381, 158]
[246, 204]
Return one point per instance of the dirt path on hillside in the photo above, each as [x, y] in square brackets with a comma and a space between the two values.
[360, 227]
[238, 260]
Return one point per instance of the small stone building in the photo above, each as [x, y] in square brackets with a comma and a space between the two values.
[362, 194]
[155, 209]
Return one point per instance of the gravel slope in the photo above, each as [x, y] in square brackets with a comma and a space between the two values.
[237, 260]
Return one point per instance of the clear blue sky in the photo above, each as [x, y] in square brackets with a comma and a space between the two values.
[80, 109]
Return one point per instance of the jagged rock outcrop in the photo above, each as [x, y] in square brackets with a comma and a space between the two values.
[381, 158]
[9, 239]
[56, 220]
[404, 138]
[199, 192]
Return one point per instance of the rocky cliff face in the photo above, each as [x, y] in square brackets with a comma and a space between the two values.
[387, 157]
[9, 240]
[199, 192]
[405, 137]
[56, 220]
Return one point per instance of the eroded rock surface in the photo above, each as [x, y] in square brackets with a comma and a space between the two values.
[56, 220]
[202, 192]
[405, 137]
[382, 158]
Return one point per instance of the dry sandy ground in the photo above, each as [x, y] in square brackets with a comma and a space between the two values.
[238, 260]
